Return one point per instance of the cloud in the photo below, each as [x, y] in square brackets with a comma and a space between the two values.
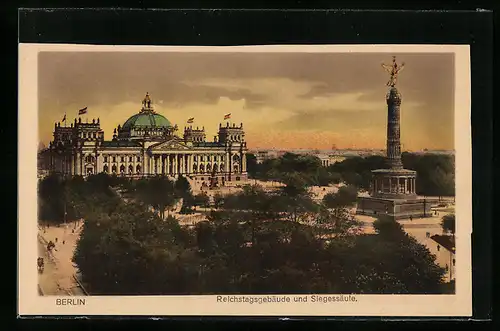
[278, 97]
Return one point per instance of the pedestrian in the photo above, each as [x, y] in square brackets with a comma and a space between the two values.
[438, 247]
[411, 218]
[56, 239]
[64, 241]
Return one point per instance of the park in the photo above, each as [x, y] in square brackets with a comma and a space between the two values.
[290, 228]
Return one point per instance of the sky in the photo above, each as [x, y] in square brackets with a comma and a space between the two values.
[284, 100]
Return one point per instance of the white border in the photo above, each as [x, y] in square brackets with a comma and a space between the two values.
[30, 303]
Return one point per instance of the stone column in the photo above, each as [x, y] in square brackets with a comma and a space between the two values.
[78, 163]
[227, 162]
[161, 164]
[244, 163]
[177, 164]
[72, 164]
[406, 185]
[174, 164]
[126, 164]
[98, 163]
[190, 164]
[167, 164]
[390, 185]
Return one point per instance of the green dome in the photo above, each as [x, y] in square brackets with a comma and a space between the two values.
[147, 119]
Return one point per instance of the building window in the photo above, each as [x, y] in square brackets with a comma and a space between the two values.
[130, 159]
[122, 159]
[114, 158]
[138, 159]
[93, 135]
[106, 159]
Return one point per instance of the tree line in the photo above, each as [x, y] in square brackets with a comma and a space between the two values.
[435, 173]
[256, 241]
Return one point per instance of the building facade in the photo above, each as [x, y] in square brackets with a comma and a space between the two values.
[147, 145]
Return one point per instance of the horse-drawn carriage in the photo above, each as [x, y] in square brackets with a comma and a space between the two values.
[40, 264]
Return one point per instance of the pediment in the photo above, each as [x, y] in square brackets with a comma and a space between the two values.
[171, 145]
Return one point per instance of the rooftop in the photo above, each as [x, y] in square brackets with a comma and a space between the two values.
[447, 242]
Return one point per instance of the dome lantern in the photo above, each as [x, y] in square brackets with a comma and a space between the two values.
[146, 103]
[145, 123]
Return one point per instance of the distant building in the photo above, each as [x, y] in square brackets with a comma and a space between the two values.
[435, 152]
[327, 160]
[445, 251]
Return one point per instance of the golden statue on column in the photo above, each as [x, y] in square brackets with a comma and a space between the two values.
[394, 69]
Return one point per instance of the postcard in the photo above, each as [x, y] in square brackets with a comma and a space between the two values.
[328, 180]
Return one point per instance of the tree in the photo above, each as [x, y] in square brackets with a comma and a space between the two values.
[182, 186]
[448, 223]
[401, 264]
[294, 199]
[158, 192]
[252, 165]
[345, 197]
[442, 183]
[255, 242]
[353, 178]
[218, 200]
[54, 200]
[131, 251]
[337, 222]
[202, 200]
[436, 173]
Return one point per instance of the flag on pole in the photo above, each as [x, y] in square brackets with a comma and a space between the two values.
[227, 116]
[191, 120]
[82, 111]
[64, 118]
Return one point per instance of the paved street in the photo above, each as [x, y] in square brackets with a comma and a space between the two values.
[58, 275]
